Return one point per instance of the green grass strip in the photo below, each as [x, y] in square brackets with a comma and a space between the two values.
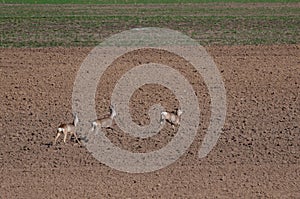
[82, 25]
[140, 1]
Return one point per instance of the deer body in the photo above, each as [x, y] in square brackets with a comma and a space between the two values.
[105, 122]
[173, 119]
[67, 129]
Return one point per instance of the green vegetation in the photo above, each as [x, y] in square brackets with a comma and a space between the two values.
[87, 25]
[138, 1]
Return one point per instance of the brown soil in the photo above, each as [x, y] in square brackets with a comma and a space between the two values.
[256, 156]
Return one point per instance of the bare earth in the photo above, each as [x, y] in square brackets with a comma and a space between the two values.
[256, 156]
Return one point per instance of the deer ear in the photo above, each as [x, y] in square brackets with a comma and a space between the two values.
[179, 111]
[76, 116]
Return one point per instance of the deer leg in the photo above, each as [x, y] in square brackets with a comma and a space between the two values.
[65, 136]
[57, 136]
[76, 137]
